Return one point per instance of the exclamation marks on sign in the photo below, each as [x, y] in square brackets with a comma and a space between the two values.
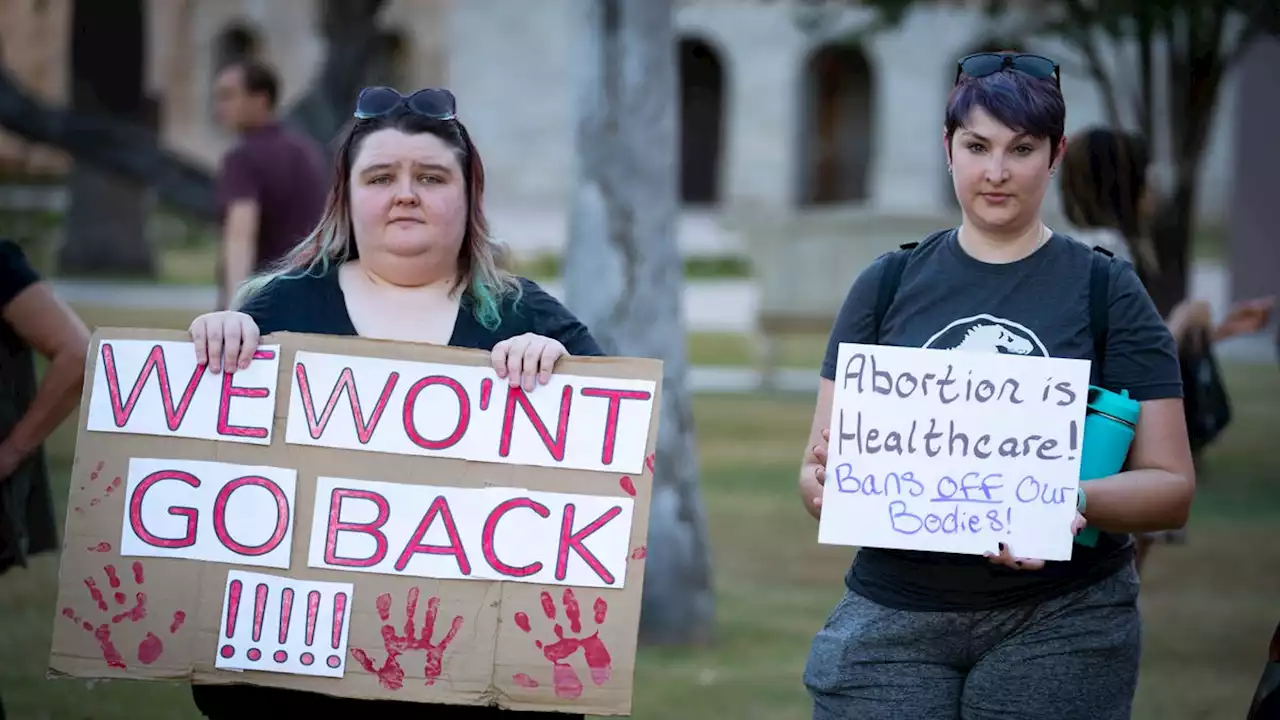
[313, 607]
[286, 608]
[339, 613]
[284, 625]
[233, 609]
[259, 609]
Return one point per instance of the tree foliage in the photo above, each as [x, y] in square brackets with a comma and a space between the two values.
[1197, 41]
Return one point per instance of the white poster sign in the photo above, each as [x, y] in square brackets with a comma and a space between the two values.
[954, 451]
[492, 533]
[280, 624]
[465, 412]
[155, 387]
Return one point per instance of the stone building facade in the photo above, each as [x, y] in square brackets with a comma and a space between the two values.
[777, 112]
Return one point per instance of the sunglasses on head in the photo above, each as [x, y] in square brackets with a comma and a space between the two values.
[434, 103]
[986, 63]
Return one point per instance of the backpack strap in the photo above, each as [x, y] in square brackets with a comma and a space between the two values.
[892, 277]
[1099, 307]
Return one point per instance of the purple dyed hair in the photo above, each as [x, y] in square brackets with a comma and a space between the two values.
[1021, 102]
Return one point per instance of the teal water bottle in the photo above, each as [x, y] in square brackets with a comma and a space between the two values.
[1109, 423]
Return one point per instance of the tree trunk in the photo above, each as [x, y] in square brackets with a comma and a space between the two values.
[1197, 62]
[107, 223]
[351, 35]
[623, 277]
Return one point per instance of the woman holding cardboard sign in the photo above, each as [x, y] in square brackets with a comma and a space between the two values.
[403, 253]
[941, 635]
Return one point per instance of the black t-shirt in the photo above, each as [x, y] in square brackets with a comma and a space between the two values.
[27, 522]
[315, 304]
[1041, 303]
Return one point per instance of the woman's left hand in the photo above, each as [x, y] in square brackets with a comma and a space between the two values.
[527, 359]
[1008, 559]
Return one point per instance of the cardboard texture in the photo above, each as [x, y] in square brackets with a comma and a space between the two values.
[238, 549]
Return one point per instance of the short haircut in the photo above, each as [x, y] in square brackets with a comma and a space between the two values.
[1023, 103]
[259, 79]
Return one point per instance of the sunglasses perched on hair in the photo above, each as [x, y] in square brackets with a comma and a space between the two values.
[434, 103]
[987, 63]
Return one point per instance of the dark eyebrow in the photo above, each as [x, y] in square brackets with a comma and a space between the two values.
[980, 138]
[381, 167]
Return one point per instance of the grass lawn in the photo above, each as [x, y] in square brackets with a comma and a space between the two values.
[1209, 607]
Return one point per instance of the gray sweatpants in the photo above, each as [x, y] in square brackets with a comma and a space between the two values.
[1071, 658]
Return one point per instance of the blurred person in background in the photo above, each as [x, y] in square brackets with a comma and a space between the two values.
[271, 184]
[35, 322]
[1107, 196]
[943, 635]
[402, 252]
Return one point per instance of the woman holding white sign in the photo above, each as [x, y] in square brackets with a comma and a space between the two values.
[402, 253]
[948, 635]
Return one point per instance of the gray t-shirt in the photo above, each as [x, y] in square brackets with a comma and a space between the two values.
[1037, 306]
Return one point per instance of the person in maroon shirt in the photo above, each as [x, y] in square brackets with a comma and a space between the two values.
[271, 185]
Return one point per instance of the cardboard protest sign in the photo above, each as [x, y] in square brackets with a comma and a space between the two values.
[954, 451]
[359, 518]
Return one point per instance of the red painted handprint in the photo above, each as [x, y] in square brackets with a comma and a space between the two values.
[564, 678]
[151, 647]
[391, 675]
[99, 489]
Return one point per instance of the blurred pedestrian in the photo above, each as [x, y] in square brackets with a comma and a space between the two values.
[1107, 196]
[271, 185]
[34, 321]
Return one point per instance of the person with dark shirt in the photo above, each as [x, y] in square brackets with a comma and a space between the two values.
[34, 321]
[941, 635]
[271, 184]
[1107, 197]
[402, 252]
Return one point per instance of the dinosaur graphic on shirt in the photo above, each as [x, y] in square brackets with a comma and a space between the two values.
[995, 338]
[987, 333]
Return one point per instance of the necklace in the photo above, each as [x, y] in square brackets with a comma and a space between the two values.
[1045, 234]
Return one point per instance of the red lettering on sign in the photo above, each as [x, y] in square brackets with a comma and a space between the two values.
[516, 396]
[464, 412]
[370, 528]
[122, 411]
[220, 516]
[573, 540]
[440, 506]
[611, 419]
[346, 381]
[491, 529]
[191, 514]
[229, 391]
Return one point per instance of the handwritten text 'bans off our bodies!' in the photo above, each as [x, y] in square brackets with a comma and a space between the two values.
[359, 403]
[244, 515]
[954, 451]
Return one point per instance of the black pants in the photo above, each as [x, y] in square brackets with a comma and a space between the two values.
[245, 702]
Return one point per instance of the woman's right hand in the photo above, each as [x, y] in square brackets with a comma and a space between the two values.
[224, 339]
[813, 476]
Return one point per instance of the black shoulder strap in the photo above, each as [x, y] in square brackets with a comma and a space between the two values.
[892, 277]
[1100, 306]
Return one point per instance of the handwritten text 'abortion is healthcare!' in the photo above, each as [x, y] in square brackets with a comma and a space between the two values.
[954, 451]
[368, 478]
